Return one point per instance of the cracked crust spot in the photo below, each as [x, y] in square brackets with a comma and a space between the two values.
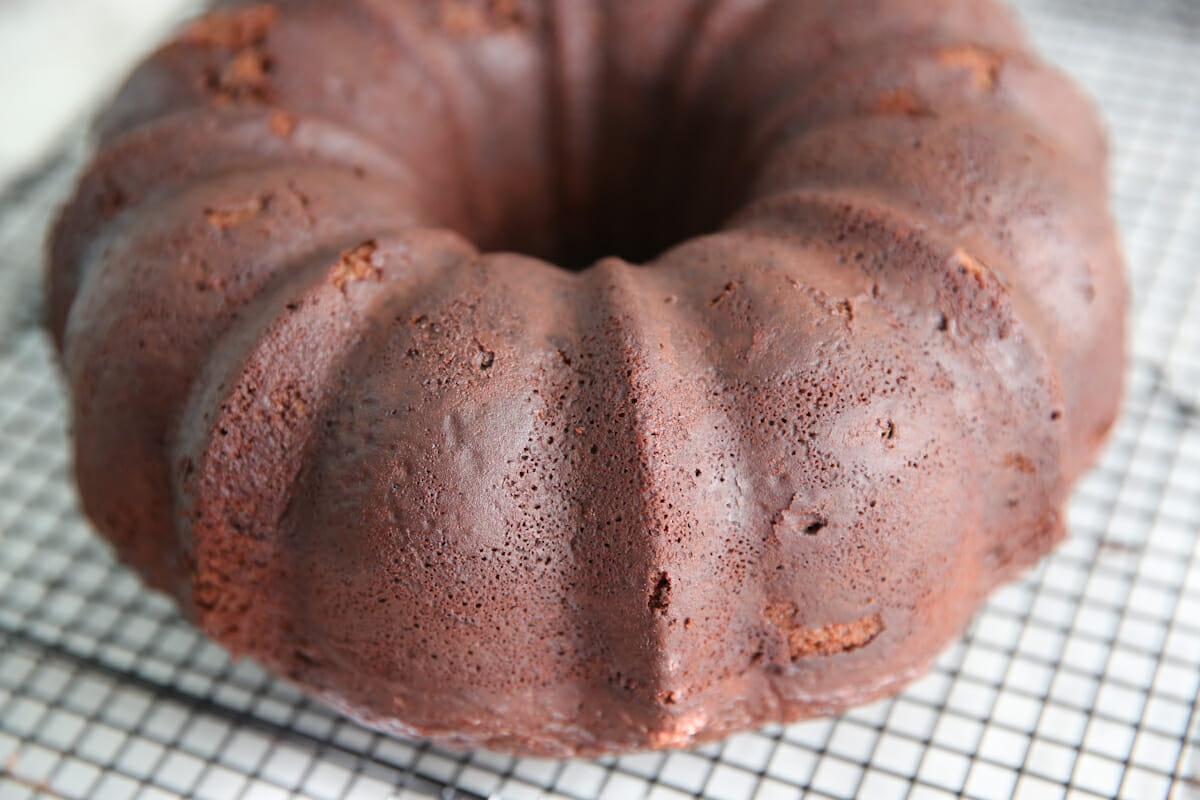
[282, 124]
[901, 101]
[983, 65]
[822, 640]
[969, 265]
[354, 265]
[233, 215]
[471, 17]
[244, 79]
[233, 29]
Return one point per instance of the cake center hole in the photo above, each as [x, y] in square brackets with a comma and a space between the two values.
[645, 190]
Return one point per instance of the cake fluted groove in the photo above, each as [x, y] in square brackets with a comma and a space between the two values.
[1059, 267]
[783, 44]
[932, 76]
[963, 318]
[809, 512]
[261, 396]
[139, 168]
[126, 409]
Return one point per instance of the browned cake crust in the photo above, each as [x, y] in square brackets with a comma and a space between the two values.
[332, 393]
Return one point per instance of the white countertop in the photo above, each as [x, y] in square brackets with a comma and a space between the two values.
[60, 58]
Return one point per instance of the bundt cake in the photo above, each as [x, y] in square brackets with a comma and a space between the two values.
[571, 376]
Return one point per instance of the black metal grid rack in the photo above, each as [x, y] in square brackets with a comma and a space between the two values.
[1079, 681]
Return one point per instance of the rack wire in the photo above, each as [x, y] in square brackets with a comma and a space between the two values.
[1078, 681]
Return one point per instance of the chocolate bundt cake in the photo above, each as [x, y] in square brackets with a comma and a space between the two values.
[569, 376]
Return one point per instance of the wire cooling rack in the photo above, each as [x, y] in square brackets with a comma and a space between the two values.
[1078, 681]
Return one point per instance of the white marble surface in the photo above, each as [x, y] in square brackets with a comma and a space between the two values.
[60, 58]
